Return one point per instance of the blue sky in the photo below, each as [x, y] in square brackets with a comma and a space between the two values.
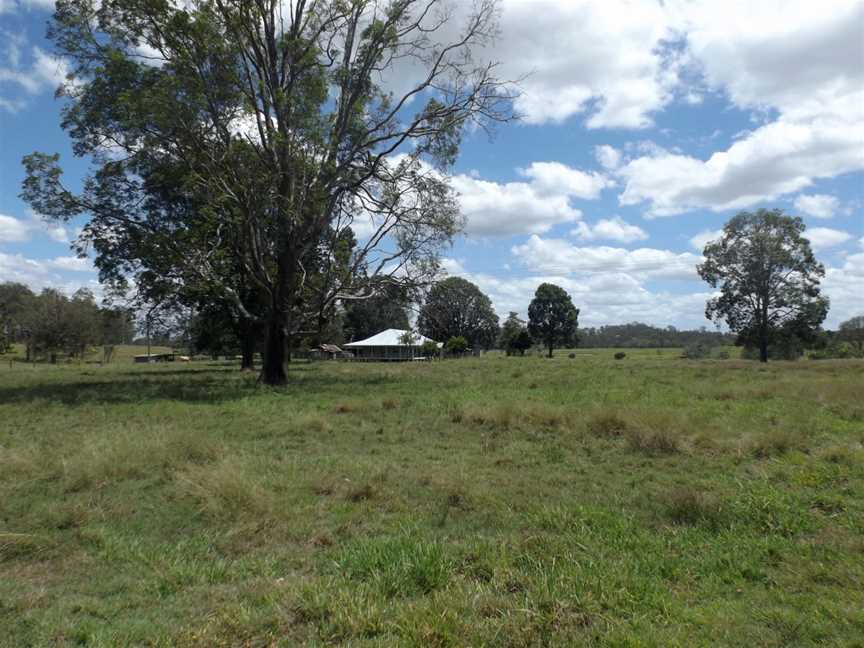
[645, 126]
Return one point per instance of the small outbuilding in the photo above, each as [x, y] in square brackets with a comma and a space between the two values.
[392, 345]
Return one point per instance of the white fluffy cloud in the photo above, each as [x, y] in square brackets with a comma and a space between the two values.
[803, 62]
[557, 256]
[824, 237]
[43, 273]
[605, 298]
[13, 230]
[779, 158]
[608, 156]
[843, 287]
[601, 58]
[530, 207]
[817, 205]
[699, 241]
[70, 264]
[43, 72]
[16, 230]
[610, 229]
[554, 178]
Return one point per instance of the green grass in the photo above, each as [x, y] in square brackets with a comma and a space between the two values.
[494, 501]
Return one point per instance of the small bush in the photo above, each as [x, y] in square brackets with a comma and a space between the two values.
[652, 443]
[776, 443]
[607, 425]
[429, 349]
[572, 356]
[360, 493]
[689, 507]
[697, 351]
[620, 355]
[456, 345]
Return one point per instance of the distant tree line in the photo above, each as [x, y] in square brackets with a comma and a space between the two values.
[50, 324]
[637, 335]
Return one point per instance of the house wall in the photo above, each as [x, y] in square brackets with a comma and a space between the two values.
[386, 353]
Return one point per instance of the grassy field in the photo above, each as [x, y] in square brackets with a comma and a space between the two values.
[495, 501]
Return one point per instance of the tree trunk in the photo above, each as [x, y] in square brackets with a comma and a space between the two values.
[763, 349]
[247, 350]
[551, 346]
[273, 370]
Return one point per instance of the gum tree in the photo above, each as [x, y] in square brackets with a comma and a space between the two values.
[293, 122]
[768, 279]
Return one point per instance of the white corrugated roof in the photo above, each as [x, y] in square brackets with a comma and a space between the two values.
[390, 337]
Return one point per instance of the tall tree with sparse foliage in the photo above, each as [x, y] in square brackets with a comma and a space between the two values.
[552, 318]
[292, 122]
[768, 279]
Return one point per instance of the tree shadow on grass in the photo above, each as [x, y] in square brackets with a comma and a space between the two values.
[128, 391]
[213, 385]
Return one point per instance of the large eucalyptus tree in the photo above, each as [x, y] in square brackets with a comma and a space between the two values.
[285, 124]
[767, 277]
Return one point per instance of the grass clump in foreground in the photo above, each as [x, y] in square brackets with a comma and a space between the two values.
[492, 501]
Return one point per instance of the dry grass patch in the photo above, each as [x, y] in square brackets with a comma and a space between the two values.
[123, 455]
[686, 506]
[229, 487]
[360, 493]
[23, 545]
[607, 425]
[849, 455]
[653, 442]
[776, 443]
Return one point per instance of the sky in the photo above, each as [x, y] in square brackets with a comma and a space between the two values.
[644, 126]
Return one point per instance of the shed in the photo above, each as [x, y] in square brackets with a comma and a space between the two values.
[390, 346]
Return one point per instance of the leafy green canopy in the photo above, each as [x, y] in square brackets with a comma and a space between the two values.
[238, 144]
[456, 307]
[768, 279]
[552, 318]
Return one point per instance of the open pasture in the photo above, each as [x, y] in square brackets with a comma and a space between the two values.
[492, 501]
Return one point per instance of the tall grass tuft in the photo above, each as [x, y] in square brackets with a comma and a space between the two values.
[227, 488]
[402, 565]
[607, 424]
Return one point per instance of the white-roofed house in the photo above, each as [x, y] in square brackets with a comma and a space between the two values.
[390, 345]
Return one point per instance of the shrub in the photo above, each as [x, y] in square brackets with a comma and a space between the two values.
[607, 425]
[456, 345]
[776, 443]
[429, 349]
[834, 351]
[787, 348]
[686, 506]
[620, 355]
[652, 443]
[697, 351]
[572, 356]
